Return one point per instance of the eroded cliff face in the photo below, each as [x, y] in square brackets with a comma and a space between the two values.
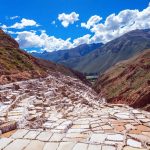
[128, 82]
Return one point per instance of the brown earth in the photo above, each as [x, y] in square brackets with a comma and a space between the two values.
[128, 82]
[16, 64]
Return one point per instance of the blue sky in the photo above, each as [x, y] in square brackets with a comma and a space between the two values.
[59, 24]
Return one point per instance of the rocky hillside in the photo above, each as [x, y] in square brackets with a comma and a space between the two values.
[127, 82]
[121, 48]
[16, 64]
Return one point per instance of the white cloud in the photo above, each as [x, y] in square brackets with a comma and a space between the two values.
[82, 40]
[10, 32]
[117, 24]
[20, 25]
[113, 26]
[67, 19]
[29, 39]
[3, 26]
[24, 23]
[14, 17]
[91, 22]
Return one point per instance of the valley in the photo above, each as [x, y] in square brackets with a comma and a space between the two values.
[44, 105]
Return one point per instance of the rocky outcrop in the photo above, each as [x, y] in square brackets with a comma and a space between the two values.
[127, 82]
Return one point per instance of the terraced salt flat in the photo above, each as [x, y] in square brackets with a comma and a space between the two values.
[61, 113]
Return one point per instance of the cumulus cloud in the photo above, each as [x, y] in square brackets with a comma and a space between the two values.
[113, 26]
[91, 22]
[82, 40]
[30, 39]
[20, 25]
[117, 24]
[24, 23]
[67, 19]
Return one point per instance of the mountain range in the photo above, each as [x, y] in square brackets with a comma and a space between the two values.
[68, 57]
[97, 58]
